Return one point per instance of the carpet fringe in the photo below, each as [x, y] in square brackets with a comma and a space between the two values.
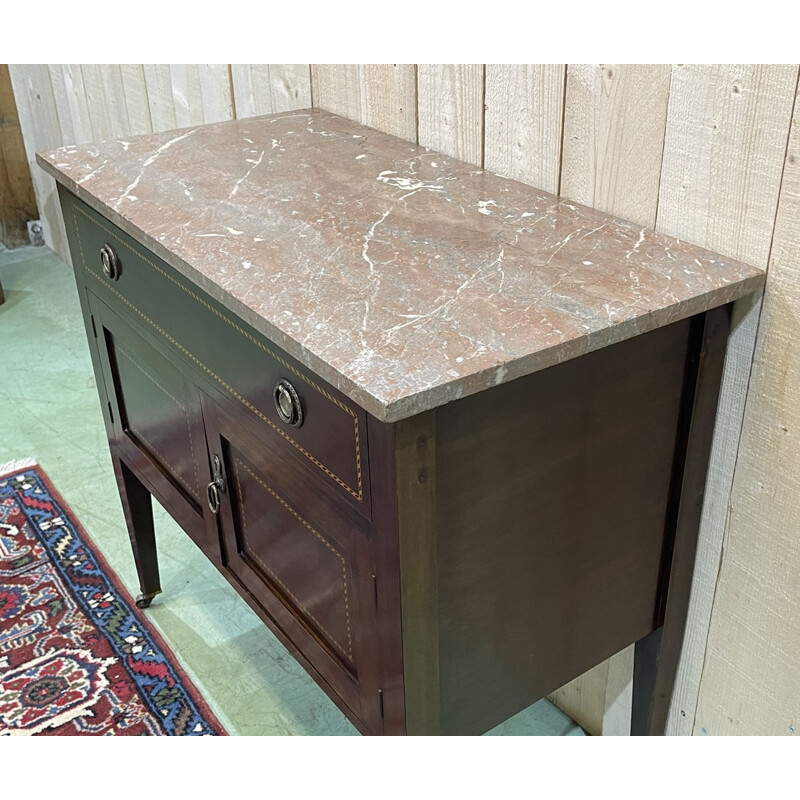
[17, 464]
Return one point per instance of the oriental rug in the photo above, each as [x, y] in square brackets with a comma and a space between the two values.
[76, 655]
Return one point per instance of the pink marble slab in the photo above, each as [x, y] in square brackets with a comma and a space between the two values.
[405, 278]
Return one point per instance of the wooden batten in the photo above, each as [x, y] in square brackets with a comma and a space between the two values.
[17, 201]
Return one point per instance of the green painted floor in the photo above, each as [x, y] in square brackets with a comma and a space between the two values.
[49, 410]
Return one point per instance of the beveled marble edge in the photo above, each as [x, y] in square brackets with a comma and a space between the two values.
[441, 393]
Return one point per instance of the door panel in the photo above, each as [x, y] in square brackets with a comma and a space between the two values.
[293, 558]
[304, 557]
[156, 419]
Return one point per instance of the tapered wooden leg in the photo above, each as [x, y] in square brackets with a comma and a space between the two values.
[645, 670]
[657, 655]
[138, 507]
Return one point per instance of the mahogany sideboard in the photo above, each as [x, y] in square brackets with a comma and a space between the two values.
[445, 433]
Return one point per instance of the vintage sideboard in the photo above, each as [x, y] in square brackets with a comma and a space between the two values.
[445, 433]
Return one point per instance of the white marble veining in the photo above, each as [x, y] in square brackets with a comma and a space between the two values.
[404, 277]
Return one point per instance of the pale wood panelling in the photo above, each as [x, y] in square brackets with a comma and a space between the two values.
[750, 678]
[723, 157]
[450, 108]
[73, 107]
[380, 95]
[722, 461]
[17, 200]
[115, 113]
[337, 88]
[38, 118]
[136, 102]
[524, 114]
[182, 95]
[726, 138]
[78, 103]
[584, 699]
[269, 88]
[158, 79]
[614, 125]
[619, 695]
[389, 98]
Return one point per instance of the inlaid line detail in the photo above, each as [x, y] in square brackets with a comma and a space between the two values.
[357, 493]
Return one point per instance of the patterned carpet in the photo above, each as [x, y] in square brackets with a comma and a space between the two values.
[76, 655]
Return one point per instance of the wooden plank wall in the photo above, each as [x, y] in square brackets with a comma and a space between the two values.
[17, 200]
[701, 152]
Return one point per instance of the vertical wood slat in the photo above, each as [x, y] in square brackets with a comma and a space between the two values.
[105, 94]
[583, 699]
[721, 173]
[72, 106]
[749, 681]
[614, 125]
[450, 106]
[290, 86]
[382, 96]
[135, 88]
[337, 88]
[524, 114]
[41, 130]
[182, 95]
[159, 96]
[186, 94]
[618, 701]
[111, 97]
[726, 138]
[17, 198]
[388, 97]
[215, 93]
[270, 88]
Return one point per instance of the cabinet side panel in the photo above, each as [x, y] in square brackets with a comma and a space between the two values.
[552, 495]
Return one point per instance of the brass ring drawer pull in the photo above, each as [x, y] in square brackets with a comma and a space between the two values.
[212, 494]
[112, 266]
[288, 404]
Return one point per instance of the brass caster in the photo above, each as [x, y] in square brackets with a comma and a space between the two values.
[142, 601]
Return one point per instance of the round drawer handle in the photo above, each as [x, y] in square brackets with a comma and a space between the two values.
[287, 402]
[112, 266]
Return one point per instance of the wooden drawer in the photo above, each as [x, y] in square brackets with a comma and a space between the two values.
[305, 559]
[241, 365]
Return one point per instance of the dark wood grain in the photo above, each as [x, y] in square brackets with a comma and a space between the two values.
[138, 509]
[303, 559]
[243, 365]
[155, 421]
[552, 496]
[419, 571]
[382, 448]
[656, 659]
[435, 575]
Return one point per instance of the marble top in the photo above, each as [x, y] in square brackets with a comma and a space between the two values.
[405, 278]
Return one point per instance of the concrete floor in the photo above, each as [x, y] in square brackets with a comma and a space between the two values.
[49, 410]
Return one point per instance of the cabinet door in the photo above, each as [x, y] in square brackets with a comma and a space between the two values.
[303, 556]
[156, 418]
